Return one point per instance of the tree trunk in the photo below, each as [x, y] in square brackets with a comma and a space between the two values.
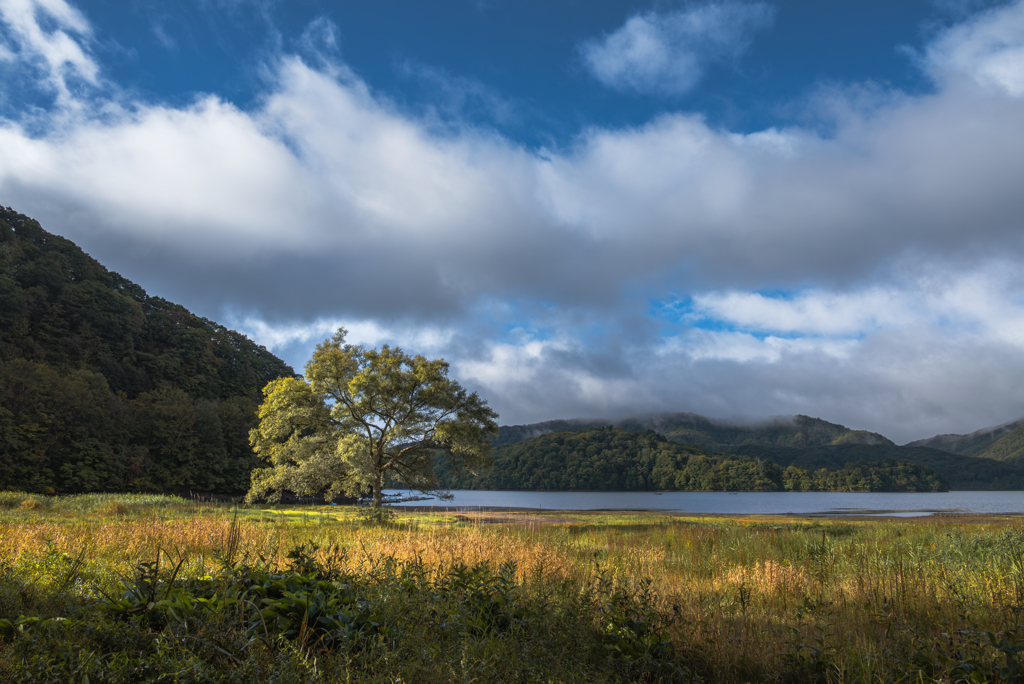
[378, 487]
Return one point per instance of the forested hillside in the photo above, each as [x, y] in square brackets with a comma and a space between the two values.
[813, 444]
[1002, 442]
[690, 428]
[616, 459]
[103, 387]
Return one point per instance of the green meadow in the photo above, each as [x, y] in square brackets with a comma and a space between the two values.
[140, 588]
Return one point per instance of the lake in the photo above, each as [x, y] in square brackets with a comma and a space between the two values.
[824, 503]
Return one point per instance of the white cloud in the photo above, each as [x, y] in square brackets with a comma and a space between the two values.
[988, 48]
[368, 333]
[811, 313]
[668, 53]
[986, 301]
[898, 241]
[935, 350]
[60, 50]
[741, 347]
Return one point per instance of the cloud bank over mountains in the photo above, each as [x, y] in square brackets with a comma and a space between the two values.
[871, 276]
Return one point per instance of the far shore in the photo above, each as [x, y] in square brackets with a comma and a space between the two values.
[494, 514]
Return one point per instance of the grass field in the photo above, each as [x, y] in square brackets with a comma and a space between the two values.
[146, 588]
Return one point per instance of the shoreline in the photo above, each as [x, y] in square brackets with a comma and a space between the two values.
[515, 511]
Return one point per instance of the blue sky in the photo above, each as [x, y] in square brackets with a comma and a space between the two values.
[591, 209]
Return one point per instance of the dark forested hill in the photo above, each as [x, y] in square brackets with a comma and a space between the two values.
[616, 459]
[103, 387]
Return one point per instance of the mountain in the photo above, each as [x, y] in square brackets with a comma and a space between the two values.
[105, 388]
[618, 459]
[695, 430]
[811, 444]
[1002, 442]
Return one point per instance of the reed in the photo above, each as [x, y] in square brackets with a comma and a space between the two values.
[742, 600]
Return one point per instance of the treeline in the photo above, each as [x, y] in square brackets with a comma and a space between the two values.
[961, 472]
[611, 459]
[104, 388]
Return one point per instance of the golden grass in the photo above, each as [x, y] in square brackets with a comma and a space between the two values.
[737, 588]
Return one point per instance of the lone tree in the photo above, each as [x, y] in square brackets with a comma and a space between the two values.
[360, 414]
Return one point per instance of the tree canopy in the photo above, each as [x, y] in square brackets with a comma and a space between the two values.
[362, 416]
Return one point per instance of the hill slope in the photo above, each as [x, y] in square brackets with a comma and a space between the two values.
[1009, 447]
[103, 387]
[972, 444]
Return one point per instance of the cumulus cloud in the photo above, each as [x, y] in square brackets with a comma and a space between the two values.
[50, 35]
[669, 52]
[322, 203]
[814, 313]
[933, 354]
[988, 48]
[368, 333]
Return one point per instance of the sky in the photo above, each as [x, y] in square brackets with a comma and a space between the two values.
[590, 209]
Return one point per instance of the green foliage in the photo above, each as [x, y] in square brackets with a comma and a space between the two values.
[362, 415]
[103, 388]
[398, 621]
[609, 459]
[884, 476]
[959, 472]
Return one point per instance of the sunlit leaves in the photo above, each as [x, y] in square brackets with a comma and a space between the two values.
[361, 414]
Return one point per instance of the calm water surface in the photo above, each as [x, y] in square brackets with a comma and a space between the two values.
[827, 503]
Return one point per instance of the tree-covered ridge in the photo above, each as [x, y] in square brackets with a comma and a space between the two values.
[616, 459]
[689, 428]
[1002, 443]
[103, 387]
[789, 431]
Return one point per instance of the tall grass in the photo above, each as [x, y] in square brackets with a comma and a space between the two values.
[774, 600]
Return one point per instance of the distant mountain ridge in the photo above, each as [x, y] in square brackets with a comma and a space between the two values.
[813, 444]
[689, 428]
[620, 459]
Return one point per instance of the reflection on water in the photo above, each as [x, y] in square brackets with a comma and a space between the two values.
[829, 503]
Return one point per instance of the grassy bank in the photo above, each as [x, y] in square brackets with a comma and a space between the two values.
[160, 589]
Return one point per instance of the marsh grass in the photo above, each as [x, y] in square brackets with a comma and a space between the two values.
[598, 597]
